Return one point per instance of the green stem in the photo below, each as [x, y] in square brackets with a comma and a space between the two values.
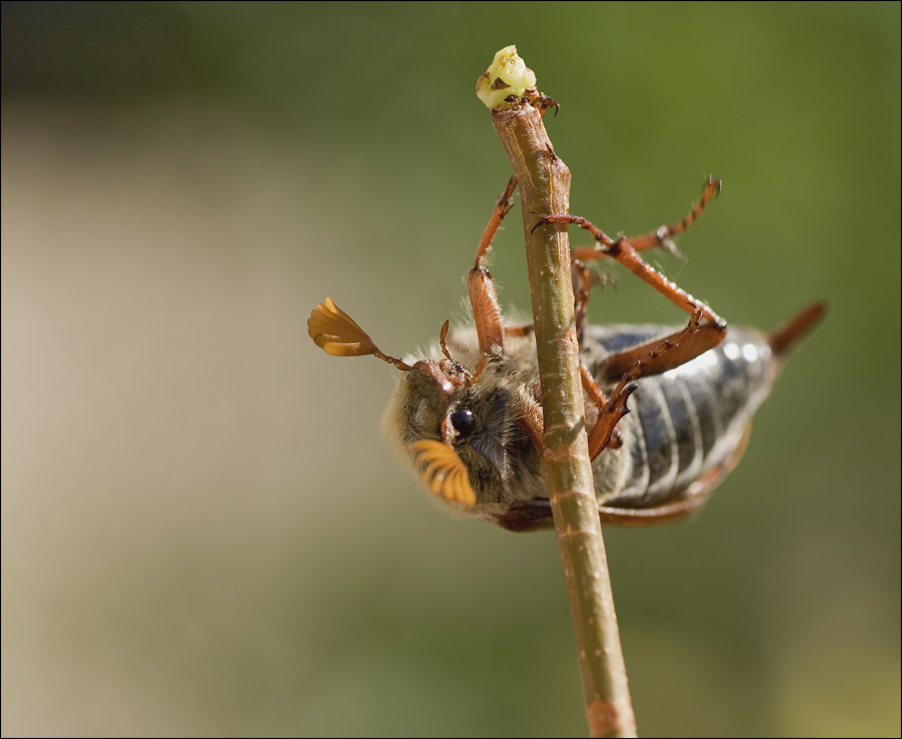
[566, 468]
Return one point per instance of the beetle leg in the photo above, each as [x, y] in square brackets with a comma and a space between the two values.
[604, 432]
[543, 103]
[533, 420]
[659, 356]
[654, 357]
[582, 281]
[673, 351]
[623, 252]
[486, 311]
[529, 515]
[688, 344]
[646, 360]
[663, 236]
[519, 331]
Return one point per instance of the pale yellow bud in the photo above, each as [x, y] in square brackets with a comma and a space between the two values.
[507, 75]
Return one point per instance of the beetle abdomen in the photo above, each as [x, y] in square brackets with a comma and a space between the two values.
[685, 421]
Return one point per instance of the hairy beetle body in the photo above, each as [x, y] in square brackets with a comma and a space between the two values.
[685, 423]
[667, 411]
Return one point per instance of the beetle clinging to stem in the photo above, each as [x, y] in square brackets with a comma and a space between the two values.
[468, 416]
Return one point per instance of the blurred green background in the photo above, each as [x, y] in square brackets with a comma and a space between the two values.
[203, 532]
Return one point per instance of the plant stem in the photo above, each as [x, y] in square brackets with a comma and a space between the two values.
[544, 182]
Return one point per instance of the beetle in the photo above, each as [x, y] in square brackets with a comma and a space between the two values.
[466, 415]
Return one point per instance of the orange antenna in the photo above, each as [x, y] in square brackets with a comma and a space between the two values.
[336, 333]
[441, 340]
[479, 368]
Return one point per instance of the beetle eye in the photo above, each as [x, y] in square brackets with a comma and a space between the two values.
[464, 422]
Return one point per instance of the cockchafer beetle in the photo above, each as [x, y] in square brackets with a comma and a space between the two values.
[467, 415]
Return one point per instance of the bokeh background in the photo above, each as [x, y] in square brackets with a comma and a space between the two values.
[203, 532]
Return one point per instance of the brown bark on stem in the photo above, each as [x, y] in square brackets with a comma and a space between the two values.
[544, 182]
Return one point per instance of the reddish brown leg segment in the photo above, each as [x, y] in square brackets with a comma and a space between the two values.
[534, 422]
[623, 252]
[519, 331]
[643, 361]
[659, 356]
[657, 360]
[486, 311]
[609, 414]
[543, 103]
[663, 236]
[654, 357]
[651, 358]
[582, 282]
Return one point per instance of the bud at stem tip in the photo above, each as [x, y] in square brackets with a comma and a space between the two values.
[507, 75]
